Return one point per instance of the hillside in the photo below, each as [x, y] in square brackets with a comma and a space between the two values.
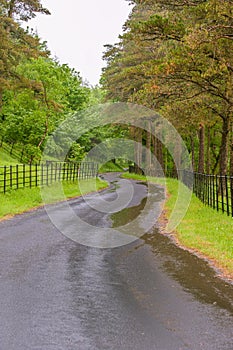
[6, 159]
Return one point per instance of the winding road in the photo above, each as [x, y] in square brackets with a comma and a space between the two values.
[56, 294]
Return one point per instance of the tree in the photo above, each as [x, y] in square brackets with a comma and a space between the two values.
[16, 43]
[51, 92]
[184, 62]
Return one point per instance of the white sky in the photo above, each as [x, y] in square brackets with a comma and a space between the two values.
[77, 30]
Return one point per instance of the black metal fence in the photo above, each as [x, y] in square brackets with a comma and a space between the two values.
[18, 151]
[215, 191]
[23, 175]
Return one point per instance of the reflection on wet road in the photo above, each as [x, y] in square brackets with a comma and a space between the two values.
[58, 295]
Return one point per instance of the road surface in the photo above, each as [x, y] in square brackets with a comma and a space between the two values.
[56, 294]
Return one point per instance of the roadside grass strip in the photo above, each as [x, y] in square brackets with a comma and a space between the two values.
[203, 230]
[21, 200]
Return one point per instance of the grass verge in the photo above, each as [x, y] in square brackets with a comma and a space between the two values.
[203, 230]
[19, 201]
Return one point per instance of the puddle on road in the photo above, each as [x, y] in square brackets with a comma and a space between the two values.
[127, 215]
[194, 274]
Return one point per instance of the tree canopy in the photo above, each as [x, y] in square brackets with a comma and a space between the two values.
[176, 57]
[36, 91]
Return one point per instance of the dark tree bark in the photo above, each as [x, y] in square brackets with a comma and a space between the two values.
[193, 152]
[231, 150]
[224, 146]
[138, 150]
[208, 151]
[201, 157]
[148, 146]
[159, 147]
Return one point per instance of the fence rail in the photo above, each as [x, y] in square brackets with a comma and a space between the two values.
[18, 151]
[23, 175]
[215, 191]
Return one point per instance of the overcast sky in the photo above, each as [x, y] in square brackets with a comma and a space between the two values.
[77, 30]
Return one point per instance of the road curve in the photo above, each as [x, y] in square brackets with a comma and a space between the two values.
[56, 294]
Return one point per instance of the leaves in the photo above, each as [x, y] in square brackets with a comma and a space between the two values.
[176, 56]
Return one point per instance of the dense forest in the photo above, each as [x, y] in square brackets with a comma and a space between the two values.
[176, 57]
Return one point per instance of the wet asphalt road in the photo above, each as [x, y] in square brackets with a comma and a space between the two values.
[56, 294]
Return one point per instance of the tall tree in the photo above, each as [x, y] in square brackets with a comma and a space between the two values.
[184, 60]
[16, 43]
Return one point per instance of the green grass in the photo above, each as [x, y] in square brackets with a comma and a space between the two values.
[110, 167]
[19, 201]
[6, 159]
[203, 229]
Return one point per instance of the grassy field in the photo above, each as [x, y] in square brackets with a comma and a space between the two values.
[19, 201]
[6, 159]
[203, 229]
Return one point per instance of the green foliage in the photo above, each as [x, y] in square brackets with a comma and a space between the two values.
[76, 153]
[52, 92]
[110, 167]
[36, 92]
[17, 43]
[176, 57]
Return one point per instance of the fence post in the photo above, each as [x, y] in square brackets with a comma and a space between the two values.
[51, 173]
[30, 175]
[55, 175]
[24, 175]
[4, 180]
[203, 187]
[42, 174]
[60, 172]
[231, 184]
[213, 192]
[67, 171]
[209, 190]
[227, 195]
[36, 174]
[47, 174]
[217, 203]
[17, 176]
[222, 193]
[11, 180]
[74, 167]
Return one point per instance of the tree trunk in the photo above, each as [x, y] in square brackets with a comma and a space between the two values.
[208, 152]
[154, 152]
[159, 147]
[201, 157]
[231, 150]
[138, 150]
[148, 146]
[177, 170]
[193, 153]
[224, 146]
